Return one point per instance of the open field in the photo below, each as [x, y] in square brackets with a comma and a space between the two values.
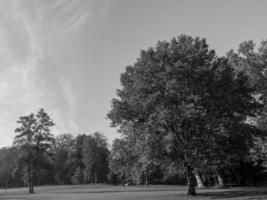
[107, 192]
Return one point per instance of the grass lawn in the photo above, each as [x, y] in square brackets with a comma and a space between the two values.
[108, 192]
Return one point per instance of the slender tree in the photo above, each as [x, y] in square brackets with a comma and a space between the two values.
[35, 140]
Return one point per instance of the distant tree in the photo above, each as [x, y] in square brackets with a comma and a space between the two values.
[122, 160]
[186, 92]
[102, 157]
[136, 155]
[147, 149]
[62, 157]
[8, 157]
[90, 159]
[78, 167]
[34, 141]
[232, 146]
[146, 158]
[173, 172]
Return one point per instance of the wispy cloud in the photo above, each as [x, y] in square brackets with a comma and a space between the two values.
[34, 37]
[22, 50]
[71, 100]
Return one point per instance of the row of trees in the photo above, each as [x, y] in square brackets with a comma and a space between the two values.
[183, 103]
[38, 158]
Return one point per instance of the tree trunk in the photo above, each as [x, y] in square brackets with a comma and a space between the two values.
[91, 178]
[220, 181]
[7, 181]
[146, 181]
[31, 190]
[123, 178]
[147, 172]
[200, 183]
[30, 185]
[191, 190]
[95, 177]
[250, 182]
[32, 181]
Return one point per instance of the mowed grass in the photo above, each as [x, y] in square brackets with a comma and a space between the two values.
[108, 192]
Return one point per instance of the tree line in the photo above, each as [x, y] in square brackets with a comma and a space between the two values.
[185, 115]
[39, 158]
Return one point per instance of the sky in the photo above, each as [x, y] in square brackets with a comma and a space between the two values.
[66, 56]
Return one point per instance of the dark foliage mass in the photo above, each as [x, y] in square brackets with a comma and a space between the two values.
[69, 160]
[185, 115]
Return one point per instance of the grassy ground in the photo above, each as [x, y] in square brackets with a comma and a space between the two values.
[107, 192]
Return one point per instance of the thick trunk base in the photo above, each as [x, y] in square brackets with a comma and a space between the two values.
[191, 182]
[191, 191]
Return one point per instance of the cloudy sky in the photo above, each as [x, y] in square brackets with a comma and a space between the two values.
[66, 56]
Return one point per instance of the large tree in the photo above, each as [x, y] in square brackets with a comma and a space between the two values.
[183, 90]
[34, 140]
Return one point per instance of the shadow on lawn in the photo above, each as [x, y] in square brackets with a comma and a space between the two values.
[246, 192]
[17, 197]
[122, 191]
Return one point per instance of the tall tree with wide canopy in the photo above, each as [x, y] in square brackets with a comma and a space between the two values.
[183, 90]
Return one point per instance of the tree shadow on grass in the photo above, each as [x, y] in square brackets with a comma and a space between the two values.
[18, 197]
[246, 192]
[122, 191]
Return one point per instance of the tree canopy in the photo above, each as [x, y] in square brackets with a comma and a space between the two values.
[182, 89]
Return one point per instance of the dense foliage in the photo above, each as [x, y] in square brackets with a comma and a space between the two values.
[71, 160]
[196, 102]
